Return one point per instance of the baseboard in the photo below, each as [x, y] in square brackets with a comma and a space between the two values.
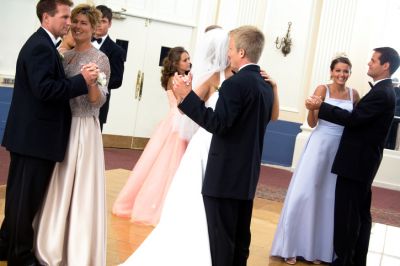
[124, 142]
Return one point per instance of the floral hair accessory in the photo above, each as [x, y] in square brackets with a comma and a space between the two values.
[340, 55]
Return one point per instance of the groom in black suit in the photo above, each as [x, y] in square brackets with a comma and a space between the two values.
[359, 156]
[238, 124]
[37, 129]
[116, 55]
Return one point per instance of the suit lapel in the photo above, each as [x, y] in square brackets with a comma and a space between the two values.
[105, 45]
[58, 56]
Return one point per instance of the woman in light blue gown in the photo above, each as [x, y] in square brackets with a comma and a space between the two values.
[305, 227]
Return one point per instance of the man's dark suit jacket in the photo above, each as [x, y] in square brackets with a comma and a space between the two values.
[365, 129]
[39, 119]
[238, 124]
[116, 56]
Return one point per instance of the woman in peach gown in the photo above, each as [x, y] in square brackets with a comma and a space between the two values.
[143, 195]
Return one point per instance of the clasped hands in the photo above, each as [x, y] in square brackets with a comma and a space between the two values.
[90, 73]
[181, 86]
[313, 102]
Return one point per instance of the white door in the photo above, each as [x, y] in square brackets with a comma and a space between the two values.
[123, 105]
[153, 105]
[130, 116]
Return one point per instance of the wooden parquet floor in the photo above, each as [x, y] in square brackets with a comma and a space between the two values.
[124, 237]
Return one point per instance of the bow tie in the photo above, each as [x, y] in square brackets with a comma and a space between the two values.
[98, 40]
[370, 84]
[58, 43]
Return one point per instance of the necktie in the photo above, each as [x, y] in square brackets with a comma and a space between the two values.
[98, 40]
[370, 84]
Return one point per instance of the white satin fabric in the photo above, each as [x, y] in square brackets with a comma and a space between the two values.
[305, 227]
[72, 224]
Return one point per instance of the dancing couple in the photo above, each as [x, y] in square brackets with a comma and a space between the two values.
[207, 211]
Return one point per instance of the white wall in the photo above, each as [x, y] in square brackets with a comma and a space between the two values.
[366, 32]
[19, 21]
[290, 71]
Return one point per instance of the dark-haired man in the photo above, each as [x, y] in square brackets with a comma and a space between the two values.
[37, 129]
[116, 55]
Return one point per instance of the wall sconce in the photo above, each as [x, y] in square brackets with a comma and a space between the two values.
[285, 43]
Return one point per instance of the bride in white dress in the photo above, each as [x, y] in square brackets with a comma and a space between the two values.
[181, 237]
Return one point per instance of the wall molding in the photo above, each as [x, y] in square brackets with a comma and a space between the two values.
[124, 142]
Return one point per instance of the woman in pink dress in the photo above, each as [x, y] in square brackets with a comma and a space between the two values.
[143, 195]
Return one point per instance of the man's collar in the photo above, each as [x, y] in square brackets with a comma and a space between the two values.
[377, 81]
[53, 39]
[245, 65]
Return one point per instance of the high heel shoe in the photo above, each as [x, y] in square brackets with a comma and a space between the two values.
[291, 261]
[317, 262]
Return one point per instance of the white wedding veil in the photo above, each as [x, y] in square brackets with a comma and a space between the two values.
[211, 56]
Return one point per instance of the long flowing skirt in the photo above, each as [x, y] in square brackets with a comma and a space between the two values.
[142, 197]
[72, 223]
[181, 237]
[305, 227]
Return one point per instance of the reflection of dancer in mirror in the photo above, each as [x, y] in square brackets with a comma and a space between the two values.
[143, 195]
[305, 228]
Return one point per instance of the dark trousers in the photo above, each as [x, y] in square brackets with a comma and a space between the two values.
[352, 226]
[101, 126]
[229, 230]
[27, 184]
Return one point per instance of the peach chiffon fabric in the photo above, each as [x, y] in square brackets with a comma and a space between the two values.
[143, 195]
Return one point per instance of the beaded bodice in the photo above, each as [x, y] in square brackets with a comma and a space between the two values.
[73, 62]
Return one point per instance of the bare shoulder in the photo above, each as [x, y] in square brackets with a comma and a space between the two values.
[356, 96]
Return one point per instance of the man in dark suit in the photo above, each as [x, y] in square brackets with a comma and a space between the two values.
[116, 55]
[37, 129]
[359, 156]
[238, 124]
